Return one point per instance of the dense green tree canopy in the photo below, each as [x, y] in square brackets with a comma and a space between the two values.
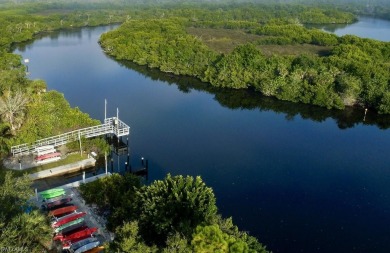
[21, 226]
[354, 71]
[165, 44]
[175, 215]
[175, 204]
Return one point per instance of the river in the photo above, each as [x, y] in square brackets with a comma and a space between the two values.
[298, 177]
[366, 27]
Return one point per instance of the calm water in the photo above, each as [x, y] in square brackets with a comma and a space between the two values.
[366, 27]
[300, 178]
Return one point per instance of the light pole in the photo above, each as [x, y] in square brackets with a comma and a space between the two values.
[26, 61]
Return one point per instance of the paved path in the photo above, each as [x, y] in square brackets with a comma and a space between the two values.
[80, 165]
[26, 162]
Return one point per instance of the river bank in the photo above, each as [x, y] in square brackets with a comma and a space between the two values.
[275, 160]
[296, 175]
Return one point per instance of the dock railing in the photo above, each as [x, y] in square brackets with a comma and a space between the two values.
[110, 126]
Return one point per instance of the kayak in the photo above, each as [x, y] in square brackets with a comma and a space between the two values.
[63, 210]
[73, 236]
[68, 243]
[87, 247]
[55, 220]
[74, 222]
[58, 202]
[52, 190]
[95, 250]
[81, 243]
[70, 230]
[51, 195]
[67, 219]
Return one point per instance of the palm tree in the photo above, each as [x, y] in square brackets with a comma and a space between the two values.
[12, 108]
[30, 231]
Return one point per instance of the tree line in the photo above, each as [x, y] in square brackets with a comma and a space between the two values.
[23, 228]
[23, 101]
[27, 110]
[355, 71]
[177, 214]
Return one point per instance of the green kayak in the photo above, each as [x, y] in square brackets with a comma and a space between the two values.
[52, 190]
[59, 229]
[52, 194]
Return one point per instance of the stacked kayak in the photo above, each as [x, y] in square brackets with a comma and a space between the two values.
[54, 203]
[52, 193]
[95, 250]
[84, 233]
[87, 247]
[75, 244]
[62, 211]
[73, 228]
[69, 224]
[67, 219]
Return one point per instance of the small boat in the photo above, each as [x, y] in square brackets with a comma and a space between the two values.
[69, 231]
[67, 219]
[81, 243]
[49, 160]
[52, 199]
[42, 150]
[62, 211]
[95, 250]
[73, 236]
[52, 190]
[87, 247]
[77, 243]
[58, 202]
[55, 220]
[52, 195]
[47, 156]
[74, 222]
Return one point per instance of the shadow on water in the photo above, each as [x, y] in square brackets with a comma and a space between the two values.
[328, 27]
[73, 32]
[252, 100]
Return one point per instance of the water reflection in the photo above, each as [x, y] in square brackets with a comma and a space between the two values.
[365, 27]
[249, 99]
[328, 27]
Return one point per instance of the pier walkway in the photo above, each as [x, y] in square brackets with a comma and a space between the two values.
[110, 126]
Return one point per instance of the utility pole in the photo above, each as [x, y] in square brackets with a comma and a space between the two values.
[105, 110]
[81, 151]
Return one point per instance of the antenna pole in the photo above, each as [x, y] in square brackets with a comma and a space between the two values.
[105, 109]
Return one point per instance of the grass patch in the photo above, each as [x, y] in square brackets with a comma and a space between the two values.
[222, 40]
[294, 49]
[48, 12]
[225, 40]
[72, 158]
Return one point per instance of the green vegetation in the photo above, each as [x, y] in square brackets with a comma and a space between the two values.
[342, 71]
[177, 214]
[22, 226]
[27, 111]
[174, 42]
